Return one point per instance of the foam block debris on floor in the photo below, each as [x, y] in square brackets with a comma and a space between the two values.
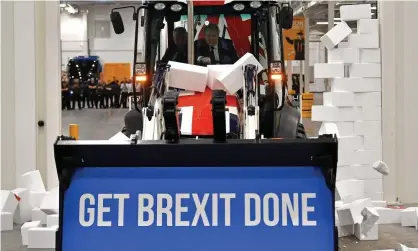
[25, 229]
[405, 248]
[32, 181]
[188, 77]
[6, 221]
[371, 235]
[42, 237]
[24, 208]
[389, 215]
[368, 228]
[50, 202]
[409, 217]
[233, 79]
[8, 201]
[337, 34]
[52, 220]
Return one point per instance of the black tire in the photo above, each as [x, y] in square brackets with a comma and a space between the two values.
[301, 134]
[336, 248]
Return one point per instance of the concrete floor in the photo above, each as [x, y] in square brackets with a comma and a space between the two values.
[390, 236]
[103, 124]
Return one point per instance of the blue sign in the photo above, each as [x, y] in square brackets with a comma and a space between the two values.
[198, 209]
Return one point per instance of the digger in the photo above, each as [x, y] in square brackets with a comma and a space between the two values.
[259, 109]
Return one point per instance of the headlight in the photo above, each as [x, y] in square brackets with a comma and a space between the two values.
[159, 6]
[239, 7]
[176, 7]
[255, 4]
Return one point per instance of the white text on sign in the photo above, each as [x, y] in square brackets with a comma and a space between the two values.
[164, 209]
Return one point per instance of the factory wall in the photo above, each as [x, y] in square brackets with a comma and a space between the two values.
[73, 36]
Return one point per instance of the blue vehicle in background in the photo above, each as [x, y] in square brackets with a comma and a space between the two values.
[84, 68]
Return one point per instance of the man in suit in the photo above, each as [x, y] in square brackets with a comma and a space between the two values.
[178, 50]
[214, 50]
[298, 45]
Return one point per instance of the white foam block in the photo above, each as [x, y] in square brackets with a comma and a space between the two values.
[233, 80]
[6, 221]
[373, 186]
[186, 113]
[36, 198]
[405, 248]
[343, 45]
[342, 99]
[371, 235]
[52, 220]
[360, 157]
[32, 181]
[351, 213]
[50, 203]
[374, 196]
[370, 56]
[379, 203]
[119, 137]
[333, 113]
[365, 71]
[371, 113]
[39, 215]
[372, 143]
[357, 172]
[349, 190]
[368, 99]
[188, 77]
[8, 201]
[322, 70]
[329, 128]
[364, 41]
[24, 230]
[355, 12]
[334, 36]
[368, 128]
[345, 128]
[356, 85]
[389, 215]
[344, 55]
[41, 237]
[344, 231]
[409, 217]
[350, 143]
[215, 71]
[368, 26]
[24, 208]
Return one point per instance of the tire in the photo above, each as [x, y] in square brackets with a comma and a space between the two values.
[301, 134]
[336, 248]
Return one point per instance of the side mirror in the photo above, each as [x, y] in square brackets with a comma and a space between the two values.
[286, 17]
[117, 22]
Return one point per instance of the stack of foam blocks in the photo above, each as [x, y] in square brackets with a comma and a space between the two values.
[32, 207]
[352, 111]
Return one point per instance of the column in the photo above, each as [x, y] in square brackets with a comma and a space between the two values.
[30, 89]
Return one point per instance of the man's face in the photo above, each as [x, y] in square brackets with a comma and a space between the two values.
[211, 37]
[179, 38]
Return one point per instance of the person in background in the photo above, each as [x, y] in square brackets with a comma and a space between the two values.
[115, 92]
[85, 93]
[177, 51]
[76, 95]
[130, 87]
[108, 95]
[65, 95]
[100, 98]
[124, 93]
[92, 97]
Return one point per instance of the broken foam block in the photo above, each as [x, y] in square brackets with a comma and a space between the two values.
[32, 181]
[351, 213]
[334, 36]
[371, 235]
[42, 237]
[8, 202]
[188, 77]
[409, 217]
[370, 218]
[381, 167]
[25, 229]
[6, 221]
[233, 79]
[24, 208]
[50, 203]
[215, 71]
